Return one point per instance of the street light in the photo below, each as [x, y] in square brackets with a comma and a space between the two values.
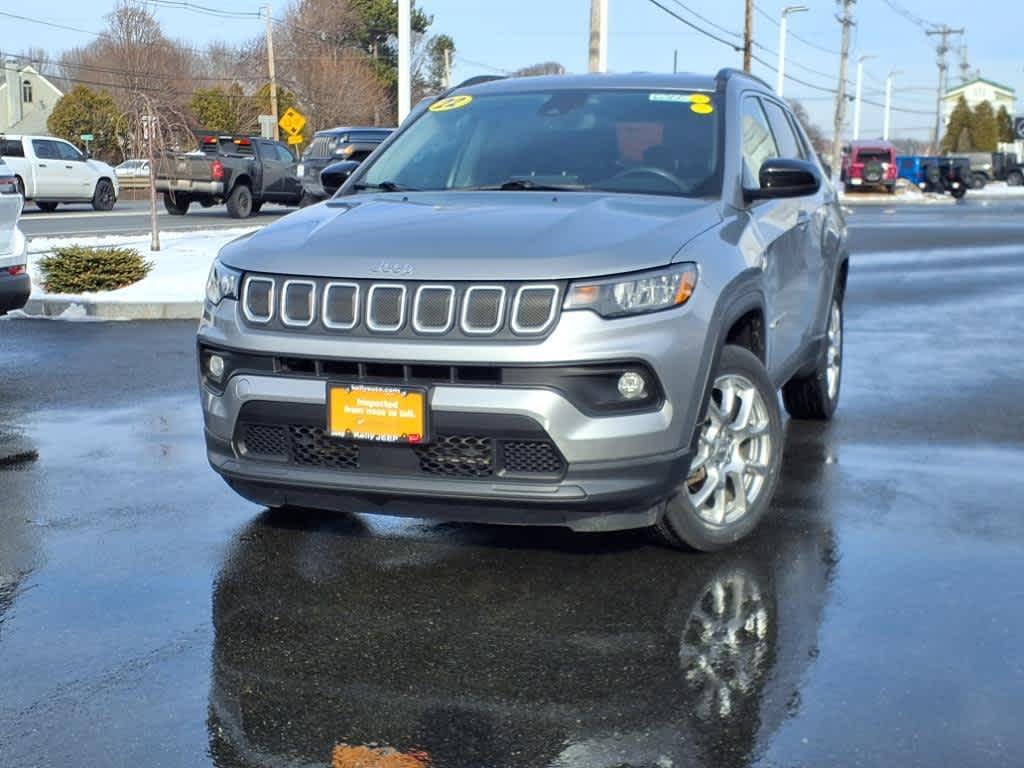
[856, 104]
[782, 44]
[888, 103]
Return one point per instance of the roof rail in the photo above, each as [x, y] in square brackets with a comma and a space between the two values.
[477, 80]
[727, 73]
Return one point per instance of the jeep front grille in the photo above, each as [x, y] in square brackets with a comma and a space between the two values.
[403, 309]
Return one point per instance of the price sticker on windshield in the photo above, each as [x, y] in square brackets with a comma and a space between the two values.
[452, 102]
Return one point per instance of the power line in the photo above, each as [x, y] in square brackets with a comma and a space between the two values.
[695, 27]
[206, 10]
[794, 35]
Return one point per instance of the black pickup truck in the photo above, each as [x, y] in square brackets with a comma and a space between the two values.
[242, 171]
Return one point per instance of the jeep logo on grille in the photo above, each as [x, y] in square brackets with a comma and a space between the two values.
[388, 268]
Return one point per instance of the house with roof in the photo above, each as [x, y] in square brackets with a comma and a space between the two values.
[976, 91]
[26, 99]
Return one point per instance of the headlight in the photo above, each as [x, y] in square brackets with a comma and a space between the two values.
[222, 283]
[635, 294]
[300, 169]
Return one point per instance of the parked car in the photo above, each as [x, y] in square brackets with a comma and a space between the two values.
[243, 172]
[993, 166]
[133, 169]
[869, 164]
[52, 171]
[15, 285]
[523, 309]
[330, 146]
[921, 171]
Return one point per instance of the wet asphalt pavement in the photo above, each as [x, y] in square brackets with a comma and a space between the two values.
[148, 617]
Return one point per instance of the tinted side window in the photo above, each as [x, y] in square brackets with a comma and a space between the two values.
[283, 154]
[68, 152]
[758, 144]
[11, 148]
[45, 150]
[789, 146]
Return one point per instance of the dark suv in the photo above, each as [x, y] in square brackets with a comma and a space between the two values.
[548, 300]
[330, 146]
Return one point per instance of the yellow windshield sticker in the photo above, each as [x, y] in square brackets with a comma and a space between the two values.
[452, 102]
[700, 98]
[702, 109]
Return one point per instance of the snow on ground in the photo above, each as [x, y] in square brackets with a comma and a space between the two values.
[909, 195]
[179, 269]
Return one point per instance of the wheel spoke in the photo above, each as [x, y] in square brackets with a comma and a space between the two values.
[700, 497]
[742, 420]
[739, 489]
[721, 506]
[728, 391]
[758, 470]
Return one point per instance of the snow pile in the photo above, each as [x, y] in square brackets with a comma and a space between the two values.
[179, 269]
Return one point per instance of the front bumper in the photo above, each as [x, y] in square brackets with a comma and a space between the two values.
[617, 469]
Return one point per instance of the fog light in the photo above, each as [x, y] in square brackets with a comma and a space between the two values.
[215, 366]
[632, 385]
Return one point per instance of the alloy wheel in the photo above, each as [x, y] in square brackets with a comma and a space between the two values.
[734, 452]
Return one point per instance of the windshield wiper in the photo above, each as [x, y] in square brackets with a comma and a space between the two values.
[534, 186]
[385, 186]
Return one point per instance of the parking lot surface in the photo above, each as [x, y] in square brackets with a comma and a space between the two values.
[150, 617]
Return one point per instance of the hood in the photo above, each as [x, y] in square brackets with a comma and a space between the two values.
[100, 167]
[476, 235]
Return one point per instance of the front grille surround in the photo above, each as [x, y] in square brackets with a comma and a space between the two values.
[372, 308]
[310, 310]
[248, 299]
[467, 307]
[418, 305]
[515, 311]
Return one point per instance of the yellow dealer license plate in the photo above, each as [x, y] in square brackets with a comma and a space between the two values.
[377, 413]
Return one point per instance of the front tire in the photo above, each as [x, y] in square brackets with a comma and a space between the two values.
[733, 475]
[815, 397]
[958, 192]
[176, 205]
[240, 202]
[1015, 179]
[103, 197]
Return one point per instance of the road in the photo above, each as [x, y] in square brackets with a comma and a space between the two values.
[150, 617]
[132, 218]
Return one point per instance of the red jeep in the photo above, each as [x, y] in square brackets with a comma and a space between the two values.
[869, 164]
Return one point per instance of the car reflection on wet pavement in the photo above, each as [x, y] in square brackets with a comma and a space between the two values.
[513, 643]
[150, 617]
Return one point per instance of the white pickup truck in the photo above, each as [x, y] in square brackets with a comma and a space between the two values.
[51, 171]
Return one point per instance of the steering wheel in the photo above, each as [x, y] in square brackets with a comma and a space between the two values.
[652, 170]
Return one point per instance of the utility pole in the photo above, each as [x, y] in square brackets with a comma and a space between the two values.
[675, 61]
[598, 54]
[404, 58]
[748, 34]
[941, 49]
[856, 102]
[886, 120]
[965, 65]
[783, 22]
[273, 76]
[447, 68]
[837, 126]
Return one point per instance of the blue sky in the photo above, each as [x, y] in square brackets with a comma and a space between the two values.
[495, 35]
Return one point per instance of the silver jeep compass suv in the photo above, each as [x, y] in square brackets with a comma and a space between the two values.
[548, 301]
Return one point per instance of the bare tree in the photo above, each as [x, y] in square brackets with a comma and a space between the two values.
[543, 68]
[152, 127]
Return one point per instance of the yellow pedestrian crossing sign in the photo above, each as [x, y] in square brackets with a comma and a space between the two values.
[292, 122]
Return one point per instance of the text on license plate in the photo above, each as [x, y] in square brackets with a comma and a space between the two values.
[383, 414]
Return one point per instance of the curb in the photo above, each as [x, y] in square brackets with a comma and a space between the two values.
[116, 310]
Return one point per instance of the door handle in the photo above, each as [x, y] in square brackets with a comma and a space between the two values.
[69, 167]
[42, 165]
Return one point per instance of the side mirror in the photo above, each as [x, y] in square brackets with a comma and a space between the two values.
[336, 174]
[781, 177]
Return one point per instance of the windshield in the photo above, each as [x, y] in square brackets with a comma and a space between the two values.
[649, 142]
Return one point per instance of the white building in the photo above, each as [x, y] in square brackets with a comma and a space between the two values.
[977, 91]
[26, 100]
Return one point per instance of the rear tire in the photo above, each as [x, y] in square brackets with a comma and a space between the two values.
[240, 202]
[1015, 179]
[48, 207]
[739, 452]
[814, 397]
[103, 197]
[20, 186]
[176, 205]
[978, 181]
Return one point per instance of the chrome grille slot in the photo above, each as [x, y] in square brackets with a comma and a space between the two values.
[434, 309]
[298, 302]
[534, 308]
[483, 309]
[258, 299]
[341, 306]
[385, 307]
